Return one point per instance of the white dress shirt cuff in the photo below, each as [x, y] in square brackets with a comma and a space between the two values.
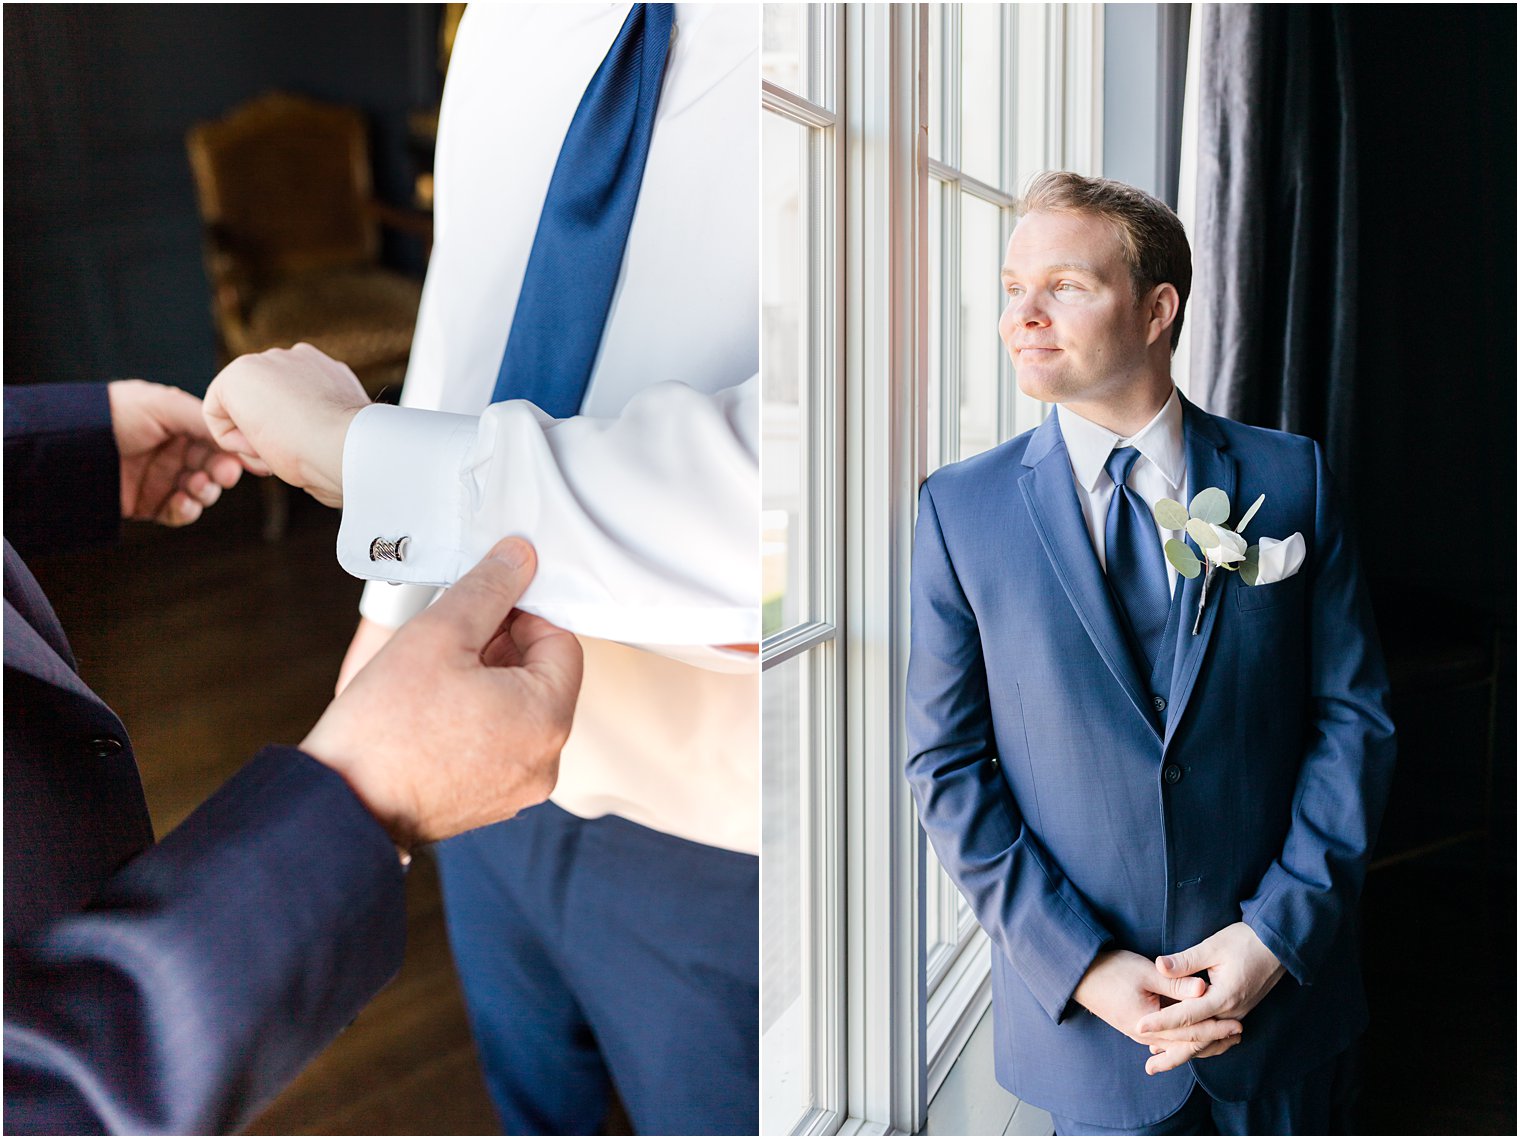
[401, 473]
[644, 524]
[394, 605]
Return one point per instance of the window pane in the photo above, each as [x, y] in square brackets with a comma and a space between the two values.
[941, 936]
[784, 47]
[785, 379]
[982, 92]
[980, 348]
[786, 899]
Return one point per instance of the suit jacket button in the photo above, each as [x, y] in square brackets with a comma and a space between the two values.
[1172, 773]
[104, 747]
[1158, 703]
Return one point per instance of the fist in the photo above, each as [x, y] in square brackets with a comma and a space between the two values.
[286, 412]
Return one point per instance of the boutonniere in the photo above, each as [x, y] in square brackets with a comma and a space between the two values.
[1222, 547]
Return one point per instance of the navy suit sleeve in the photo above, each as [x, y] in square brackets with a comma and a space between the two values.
[62, 470]
[1302, 900]
[211, 967]
[1033, 914]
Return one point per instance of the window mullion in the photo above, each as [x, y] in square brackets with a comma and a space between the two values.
[950, 340]
[950, 86]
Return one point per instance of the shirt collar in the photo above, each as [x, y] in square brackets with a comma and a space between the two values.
[1088, 445]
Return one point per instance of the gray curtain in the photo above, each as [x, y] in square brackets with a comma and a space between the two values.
[1275, 239]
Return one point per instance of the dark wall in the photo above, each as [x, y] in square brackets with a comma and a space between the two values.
[1435, 115]
[103, 268]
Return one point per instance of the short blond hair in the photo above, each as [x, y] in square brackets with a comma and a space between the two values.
[1154, 243]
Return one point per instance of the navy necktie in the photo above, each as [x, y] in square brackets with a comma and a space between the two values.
[583, 229]
[1136, 568]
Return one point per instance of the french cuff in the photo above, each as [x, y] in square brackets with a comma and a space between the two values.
[404, 495]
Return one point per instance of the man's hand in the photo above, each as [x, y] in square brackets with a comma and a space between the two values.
[369, 638]
[170, 468]
[1241, 972]
[458, 722]
[286, 412]
[1120, 988]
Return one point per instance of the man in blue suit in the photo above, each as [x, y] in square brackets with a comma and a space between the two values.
[1158, 799]
[176, 987]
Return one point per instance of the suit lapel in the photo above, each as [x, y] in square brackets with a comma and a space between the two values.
[1208, 465]
[28, 651]
[1051, 494]
[34, 641]
[23, 592]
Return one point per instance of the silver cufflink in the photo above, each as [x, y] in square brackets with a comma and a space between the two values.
[389, 549]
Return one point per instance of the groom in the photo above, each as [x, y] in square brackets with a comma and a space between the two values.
[1158, 798]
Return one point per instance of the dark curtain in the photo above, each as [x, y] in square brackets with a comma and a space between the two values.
[1276, 233]
[1354, 281]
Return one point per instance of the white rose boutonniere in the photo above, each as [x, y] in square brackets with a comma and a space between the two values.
[1223, 547]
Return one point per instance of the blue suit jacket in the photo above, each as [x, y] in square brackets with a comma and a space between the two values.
[167, 988]
[1038, 759]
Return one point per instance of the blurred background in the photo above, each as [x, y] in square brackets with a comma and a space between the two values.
[106, 242]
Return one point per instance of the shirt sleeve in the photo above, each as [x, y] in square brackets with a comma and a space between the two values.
[646, 524]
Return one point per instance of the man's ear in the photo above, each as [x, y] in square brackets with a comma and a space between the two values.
[1162, 304]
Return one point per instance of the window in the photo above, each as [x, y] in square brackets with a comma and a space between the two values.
[894, 140]
[801, 947]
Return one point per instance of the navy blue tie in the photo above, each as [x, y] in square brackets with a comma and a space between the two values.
[583, 229]
[1136, 566]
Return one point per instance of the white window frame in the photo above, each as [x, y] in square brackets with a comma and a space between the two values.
[818, 634]
[890, 1044]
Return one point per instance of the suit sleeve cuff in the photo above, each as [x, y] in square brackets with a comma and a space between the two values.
[62, 469]
[1081, 964]
[1285, 952]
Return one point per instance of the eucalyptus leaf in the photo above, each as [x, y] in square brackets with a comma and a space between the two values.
[1202, 533]
[1212, 505]
[1170, 514]
[1250, 514]
[1251, 566]
[1183, 560]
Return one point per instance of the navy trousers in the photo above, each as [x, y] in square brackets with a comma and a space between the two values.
[596, 952]
[1318, 1104]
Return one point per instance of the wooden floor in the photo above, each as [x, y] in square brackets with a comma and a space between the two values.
[210, 643]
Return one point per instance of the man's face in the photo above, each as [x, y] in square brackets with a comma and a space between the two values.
[1071, 324]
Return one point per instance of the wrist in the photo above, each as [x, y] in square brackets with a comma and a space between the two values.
[377, 797]
[320, 470]
[1083, 992]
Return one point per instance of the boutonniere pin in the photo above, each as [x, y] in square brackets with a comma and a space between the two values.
[1222, 547]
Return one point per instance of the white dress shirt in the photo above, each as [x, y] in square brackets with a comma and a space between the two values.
[1159, 472]
[644, 509]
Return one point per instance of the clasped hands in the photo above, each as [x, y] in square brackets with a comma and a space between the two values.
[1180, 1016]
